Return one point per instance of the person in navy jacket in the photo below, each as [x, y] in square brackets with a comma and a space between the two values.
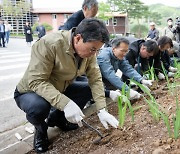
[89, 10]
[2, 33]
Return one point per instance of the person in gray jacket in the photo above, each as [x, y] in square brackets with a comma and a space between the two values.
[169, 30]
[111, 59]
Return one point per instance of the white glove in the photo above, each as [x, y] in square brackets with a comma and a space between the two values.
[172, 69]
[171, 74]
[114, 95]
[73, 113]
[134, 94]
[147, 82]
[146, 76]
[161, 76]
[119, 73]
[106, 118]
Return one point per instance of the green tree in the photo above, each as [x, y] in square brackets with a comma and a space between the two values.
[17, 10]
[46, 26]
[155, 17]
[105, 13]
[134, 8]
[142, 33]
[104, 8]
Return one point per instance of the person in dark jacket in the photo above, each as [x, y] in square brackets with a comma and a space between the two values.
[2, 33]
[28, 33]
[153, 32]
[139, 52]
[162, 57]
[89, 10]
[40, 29]
[111, 59]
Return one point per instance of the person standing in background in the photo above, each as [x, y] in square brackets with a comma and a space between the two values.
[40, 29]
[8, 28]
[168, 31]
[89, 10]
[2, 33]
[28, 33]
[153, 32]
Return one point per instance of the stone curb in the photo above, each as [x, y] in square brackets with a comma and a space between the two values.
[10, 144]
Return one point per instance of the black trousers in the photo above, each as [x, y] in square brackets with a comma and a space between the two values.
[2, 35]
[37, 109]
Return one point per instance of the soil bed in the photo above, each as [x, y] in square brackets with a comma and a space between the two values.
[144, 135]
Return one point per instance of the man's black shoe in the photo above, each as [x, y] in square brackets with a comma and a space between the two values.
[63, 124]
[40, 141]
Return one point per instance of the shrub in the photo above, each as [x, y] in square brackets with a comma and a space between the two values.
[46, 25]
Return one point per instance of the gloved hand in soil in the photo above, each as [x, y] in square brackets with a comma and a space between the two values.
[172, 69]
[134, 94]
[146, 76]
[171, 74]
[147, 82]
[107, 118]
[73, 113]
[114, 95]
[161, 76]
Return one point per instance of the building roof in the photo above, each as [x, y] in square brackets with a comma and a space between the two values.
[53, 10]
[116, 14]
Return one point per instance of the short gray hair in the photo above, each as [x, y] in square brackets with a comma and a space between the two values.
[89, 3]
[118, 40]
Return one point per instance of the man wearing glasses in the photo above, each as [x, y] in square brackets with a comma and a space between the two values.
[111, 59]
[56, 60]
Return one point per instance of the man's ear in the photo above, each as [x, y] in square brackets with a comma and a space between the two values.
[113, 49]
[85, 8]
[77, 38]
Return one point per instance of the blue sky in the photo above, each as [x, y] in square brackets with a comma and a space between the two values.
[77, 3]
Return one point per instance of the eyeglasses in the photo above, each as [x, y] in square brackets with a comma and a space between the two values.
[94, 50]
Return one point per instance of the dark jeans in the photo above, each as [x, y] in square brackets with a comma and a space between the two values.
[37, 108]
[7, 34]
[83, 78]
[2, 38]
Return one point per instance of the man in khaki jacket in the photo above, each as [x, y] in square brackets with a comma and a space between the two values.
[56, 60]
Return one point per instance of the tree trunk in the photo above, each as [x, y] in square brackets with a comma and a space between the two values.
[139, 32]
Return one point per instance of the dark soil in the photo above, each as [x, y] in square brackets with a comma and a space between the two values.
[143, 136]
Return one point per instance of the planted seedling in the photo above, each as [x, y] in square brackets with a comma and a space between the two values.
[154, 107]
[123, 103]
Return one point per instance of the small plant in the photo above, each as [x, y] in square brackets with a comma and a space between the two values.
[123, 99]
[154, 107]
[150, 74]
[177, 65]
[176, 119]
[166, 77]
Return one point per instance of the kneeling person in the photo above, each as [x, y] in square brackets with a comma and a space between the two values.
[111, 59]
[56, 60]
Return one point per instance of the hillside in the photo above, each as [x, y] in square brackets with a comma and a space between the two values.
[165, 11]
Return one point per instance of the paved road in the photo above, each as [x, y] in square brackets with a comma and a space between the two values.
[13, 63]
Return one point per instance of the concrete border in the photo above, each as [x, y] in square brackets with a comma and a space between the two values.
[10, 144]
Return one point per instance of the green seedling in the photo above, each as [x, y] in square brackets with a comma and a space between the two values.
[166, 77]
[176, 119]
[177, 65]
[123, 103]
[154, 107]
[150, 73]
